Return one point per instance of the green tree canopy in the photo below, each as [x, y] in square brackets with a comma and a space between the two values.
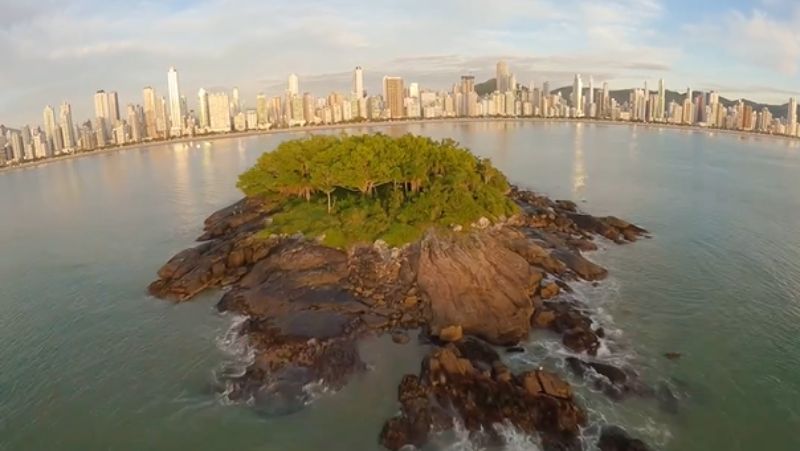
[361, 188]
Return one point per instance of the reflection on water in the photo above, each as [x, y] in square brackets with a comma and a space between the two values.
[89, 361]
[579, 171]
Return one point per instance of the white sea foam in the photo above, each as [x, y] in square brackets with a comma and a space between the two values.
[239, 355]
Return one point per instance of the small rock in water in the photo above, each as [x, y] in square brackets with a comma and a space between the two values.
[515, 350]
[614, 438]
[673, 355]
[667, 401]
[600, 332]
[400, 337]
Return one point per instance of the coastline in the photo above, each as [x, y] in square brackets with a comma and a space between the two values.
[317, 128]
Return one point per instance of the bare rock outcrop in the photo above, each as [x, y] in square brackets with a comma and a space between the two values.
[478, 283]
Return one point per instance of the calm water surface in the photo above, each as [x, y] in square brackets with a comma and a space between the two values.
[89, 361]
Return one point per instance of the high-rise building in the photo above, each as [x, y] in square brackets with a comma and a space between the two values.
[261, 110]
[175, 110]
[791, 117]
[150, 112]
[219, 112]
[236, 107]
[101, 110]
[203, 108]
[67, 129]
[308, 107]
[134, 126]
[113, 107]
[577, 95]
[502, 77]
[413, 90]
[162, 117]
[467, 105]
[294, 85]
[49, 117]
[590, 106]
[662, 100]
[393, 95]
[358, 82]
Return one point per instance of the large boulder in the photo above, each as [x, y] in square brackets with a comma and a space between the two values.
[584, 268]
[476, 282]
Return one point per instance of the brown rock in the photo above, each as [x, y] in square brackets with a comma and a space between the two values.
[550, 290]
[478, 283]
[580, 265]
[410, 302]
[400, 337]
[235, 259]
[544, 319]
[531, 383]
[451, 333]
[553, 385]
[452, 364]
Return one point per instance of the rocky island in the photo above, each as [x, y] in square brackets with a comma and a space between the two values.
[343, 237]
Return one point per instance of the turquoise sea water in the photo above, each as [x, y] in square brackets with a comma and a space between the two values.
[89, 361]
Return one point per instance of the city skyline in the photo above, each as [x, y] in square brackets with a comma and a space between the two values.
[219, 111]
[89, 44]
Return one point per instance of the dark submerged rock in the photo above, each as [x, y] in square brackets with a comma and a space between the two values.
[613, 438]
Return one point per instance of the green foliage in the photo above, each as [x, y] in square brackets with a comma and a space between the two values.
[356, 189]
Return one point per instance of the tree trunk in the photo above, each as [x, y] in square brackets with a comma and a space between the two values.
[329, 202]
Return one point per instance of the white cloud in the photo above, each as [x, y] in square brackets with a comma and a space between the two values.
[765, 40]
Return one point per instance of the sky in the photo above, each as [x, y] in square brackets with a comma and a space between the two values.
[65, 50]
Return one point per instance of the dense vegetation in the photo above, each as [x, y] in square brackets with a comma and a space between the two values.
[354, 189]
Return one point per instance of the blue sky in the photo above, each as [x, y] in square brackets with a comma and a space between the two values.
[55, 50]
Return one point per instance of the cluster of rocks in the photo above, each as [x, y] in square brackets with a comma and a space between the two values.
[308, 305]
[467, 382]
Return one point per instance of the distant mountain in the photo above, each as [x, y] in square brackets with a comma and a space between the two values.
[487, 87]
[623, 95]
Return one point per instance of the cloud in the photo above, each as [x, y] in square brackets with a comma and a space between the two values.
[768, 41]
[63, 49]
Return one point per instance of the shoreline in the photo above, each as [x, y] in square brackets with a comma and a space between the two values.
[369, 124]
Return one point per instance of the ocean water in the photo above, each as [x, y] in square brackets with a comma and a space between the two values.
[89, 361]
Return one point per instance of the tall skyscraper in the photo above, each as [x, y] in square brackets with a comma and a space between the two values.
[49, 117]
[662, 100]
[162, 117]
[236, 107]
[791, 117]
[502, 76]
[590, 107]
[134, 126]
[101, 110]
[358, 82]
[468, 96]
[294, 85]
[113, 107]
[577, 95]
[150, 112]
[203, 108]
[175, 110]
[261, 110]
[393, 94]
[67, 129]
